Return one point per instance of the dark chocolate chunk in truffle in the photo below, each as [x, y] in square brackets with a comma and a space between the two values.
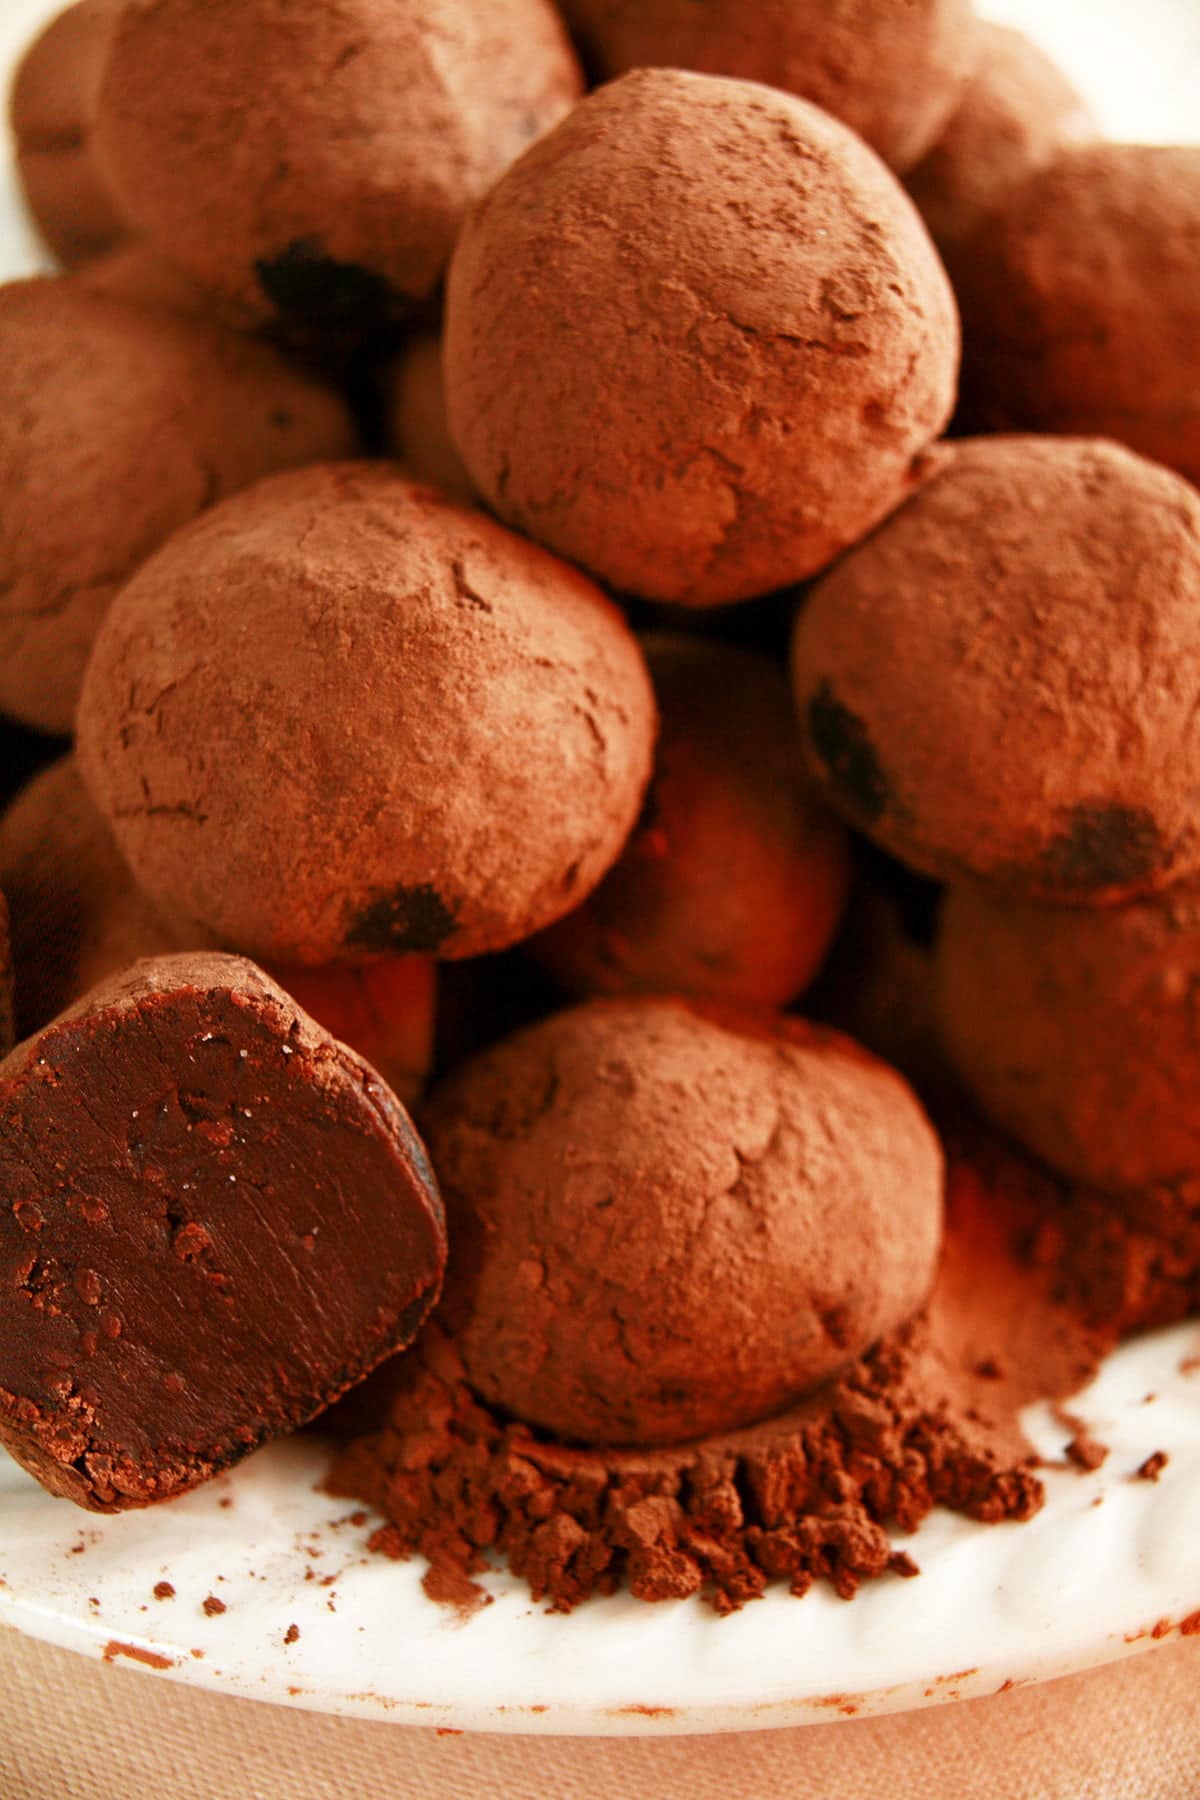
[408, 920]
[217, 1219]
[841, 740]
[318, 293]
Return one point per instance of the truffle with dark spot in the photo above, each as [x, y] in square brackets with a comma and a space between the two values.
[669, 1221]
[51, 108]
[697, 339]
[892, 73]
[1079, 1032]
[342, 717]
[1082, 306]
[311, 165]
[1016, 115]
[732, 884]
[417, 426]
[216, 1220]
[1004, 679]
[118, 424]
[79, 919]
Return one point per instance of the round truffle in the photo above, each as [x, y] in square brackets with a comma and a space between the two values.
[216, 1220]
[51, 108]
[342, 717]
[1005, 678]
[1081, 302]
[697, 339]
[118, 424]
[732, 884]
[310, 164]
[668, 1222]
[892, 73]
[1079, 1032]
[79, 919]
[1017, 113]
[417, 427]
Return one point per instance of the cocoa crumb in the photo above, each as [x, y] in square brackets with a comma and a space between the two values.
[163, 1590]
[213, 1606]
[1153, 1467]
[292, 1634]
[1086, 1452]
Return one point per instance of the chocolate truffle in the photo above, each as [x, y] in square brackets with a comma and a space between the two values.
[311, 164]
[1017, 113]
[79, 918]
[342, 717]
[7, 1037]
[1005, 678]
[1079, 1032]
[732, 884]
[697, 339]
[119, 423]
[217, 1220]
[1082, 304]
[892, 73]
[418, 429]
[669, 1221]
[51, 107]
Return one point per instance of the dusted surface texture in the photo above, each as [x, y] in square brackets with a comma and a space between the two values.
[892, 73]
[1004, 679]
[669, 1221]
[219, 1219]
[802, 353]
[419, 732]
[310, 161]
[118, 424]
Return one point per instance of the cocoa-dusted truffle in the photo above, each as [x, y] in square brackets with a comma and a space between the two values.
[892, 73]
[1017, 113]
[1078, 1032]
[344, 717]
[418, 429]
[1005, 678]
[697, 339]
[312, 164]
[51, 107]
[119, 423]
[731, 886]
[217, 1219]
[79, 919]
[1082, 306]
[667, 1222]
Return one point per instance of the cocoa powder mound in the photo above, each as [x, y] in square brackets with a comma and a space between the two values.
[1037, 1283]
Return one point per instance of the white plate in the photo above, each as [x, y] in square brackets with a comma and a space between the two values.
[1112, 1564]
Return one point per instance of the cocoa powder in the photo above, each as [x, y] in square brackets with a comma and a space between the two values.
[1037, 1282]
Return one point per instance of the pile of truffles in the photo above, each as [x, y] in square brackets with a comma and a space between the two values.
[492, 622]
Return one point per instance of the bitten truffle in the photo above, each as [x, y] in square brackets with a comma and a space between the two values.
[1082, 306]
[1017, 113]
[342, 717]
[1005, 678]
[1078, 1032]
[669, 1222]
[79, 919]
[418, 429]
[118, 424]
[311, 165]
[732, 884]
[217, 1219]
[892, 73]
[51, 108]
[697, 339]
